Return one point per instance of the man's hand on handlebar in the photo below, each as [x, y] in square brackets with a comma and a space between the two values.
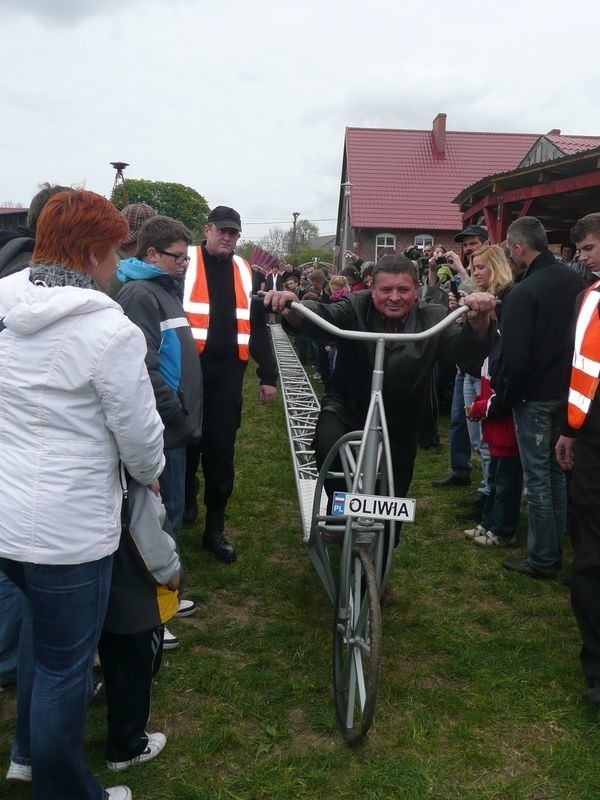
[278, 303]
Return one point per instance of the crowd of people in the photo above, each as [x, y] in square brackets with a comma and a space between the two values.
[123, 349]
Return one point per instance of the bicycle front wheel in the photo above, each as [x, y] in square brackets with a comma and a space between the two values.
[357, 649]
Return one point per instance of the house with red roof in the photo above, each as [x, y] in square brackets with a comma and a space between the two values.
[398, 186]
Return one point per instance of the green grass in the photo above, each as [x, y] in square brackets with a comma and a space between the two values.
[480, 689]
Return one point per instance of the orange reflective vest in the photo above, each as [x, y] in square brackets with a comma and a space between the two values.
[196, 301]
[585, 372]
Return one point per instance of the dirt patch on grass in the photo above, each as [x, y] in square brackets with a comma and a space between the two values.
[303, 738]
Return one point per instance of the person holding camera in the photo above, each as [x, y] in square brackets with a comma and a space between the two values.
[446, 272]
[471, 240]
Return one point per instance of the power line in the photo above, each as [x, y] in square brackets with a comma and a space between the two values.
[286, 221]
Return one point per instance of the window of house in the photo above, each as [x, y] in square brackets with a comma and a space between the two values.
[423, 239]
[382, 241]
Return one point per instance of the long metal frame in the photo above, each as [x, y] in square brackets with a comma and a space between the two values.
[366, 467]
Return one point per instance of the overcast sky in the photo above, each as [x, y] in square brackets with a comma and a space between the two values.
[247, 102]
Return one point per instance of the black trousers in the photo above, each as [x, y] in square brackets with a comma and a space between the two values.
[585, 534]
[222, 383]
[328, 430]
[129, 662]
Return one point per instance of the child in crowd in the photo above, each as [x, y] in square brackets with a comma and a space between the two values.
[143, 596]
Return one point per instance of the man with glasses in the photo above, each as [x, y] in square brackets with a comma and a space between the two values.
[227, 329]
[151, 298]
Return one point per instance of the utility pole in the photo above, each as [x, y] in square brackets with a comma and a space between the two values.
[347, 229]
[295, 215]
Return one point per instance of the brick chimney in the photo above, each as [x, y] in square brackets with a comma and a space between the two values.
[439, 135]
[554, 132]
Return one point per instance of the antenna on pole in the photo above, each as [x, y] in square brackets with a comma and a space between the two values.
[119, 166]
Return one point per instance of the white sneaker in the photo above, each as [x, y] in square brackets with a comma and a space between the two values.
[186, 608]
[471, 533]
[489, 539]
[118, 793]
[170, 641]
[156, 743]
[18, 773]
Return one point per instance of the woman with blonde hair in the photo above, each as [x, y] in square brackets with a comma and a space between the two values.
[490, 270]
[76, 401]
[500, 514]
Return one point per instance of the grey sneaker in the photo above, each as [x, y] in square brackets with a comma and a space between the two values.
[18, 773]
[156, 743]
[489, 539]
[471, 533]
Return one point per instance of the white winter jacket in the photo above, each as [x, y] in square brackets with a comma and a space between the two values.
[75, 397]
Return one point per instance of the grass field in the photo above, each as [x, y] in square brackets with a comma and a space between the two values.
[480, 689]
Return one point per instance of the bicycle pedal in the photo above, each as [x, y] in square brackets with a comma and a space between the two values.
[332, 534]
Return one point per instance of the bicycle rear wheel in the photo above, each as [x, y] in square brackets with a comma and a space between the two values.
[357, 649]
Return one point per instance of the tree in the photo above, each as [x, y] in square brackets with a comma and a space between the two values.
[169, 199]
[305, 231]
[275, 241]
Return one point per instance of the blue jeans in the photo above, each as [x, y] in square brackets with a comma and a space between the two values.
[172, 487]
[458, 433]
[12, 601]
[61, 627]
[471, 389]
[537, 425]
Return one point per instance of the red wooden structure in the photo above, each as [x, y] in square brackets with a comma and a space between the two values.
[557, 192]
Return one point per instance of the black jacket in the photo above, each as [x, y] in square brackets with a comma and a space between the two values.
[535, 327]
[15, 251]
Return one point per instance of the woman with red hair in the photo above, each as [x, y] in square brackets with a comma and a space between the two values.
[75, 400]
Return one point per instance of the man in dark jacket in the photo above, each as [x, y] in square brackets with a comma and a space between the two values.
[536, 321]
[578, 449]
[392, 306]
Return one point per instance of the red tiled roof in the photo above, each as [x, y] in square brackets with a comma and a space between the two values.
[399, 181]
[570, 145]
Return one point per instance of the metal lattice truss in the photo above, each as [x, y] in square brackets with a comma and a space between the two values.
[301, 411]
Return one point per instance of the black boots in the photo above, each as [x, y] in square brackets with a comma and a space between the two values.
[214, 539]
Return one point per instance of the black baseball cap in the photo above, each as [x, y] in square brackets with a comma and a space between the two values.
[472, 230]
[225, 217]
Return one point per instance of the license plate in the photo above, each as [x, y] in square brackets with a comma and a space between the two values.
[401, 509]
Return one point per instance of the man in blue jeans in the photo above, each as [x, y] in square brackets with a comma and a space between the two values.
[536, 353]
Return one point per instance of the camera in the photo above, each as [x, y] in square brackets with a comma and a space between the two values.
[414, 253]
[442, 260]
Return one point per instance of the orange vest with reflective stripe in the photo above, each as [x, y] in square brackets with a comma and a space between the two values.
[196, 301]
[585, 372]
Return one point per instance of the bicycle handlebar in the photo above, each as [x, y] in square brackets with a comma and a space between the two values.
[370, 336]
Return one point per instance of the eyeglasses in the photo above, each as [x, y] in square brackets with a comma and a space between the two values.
[178, 258]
